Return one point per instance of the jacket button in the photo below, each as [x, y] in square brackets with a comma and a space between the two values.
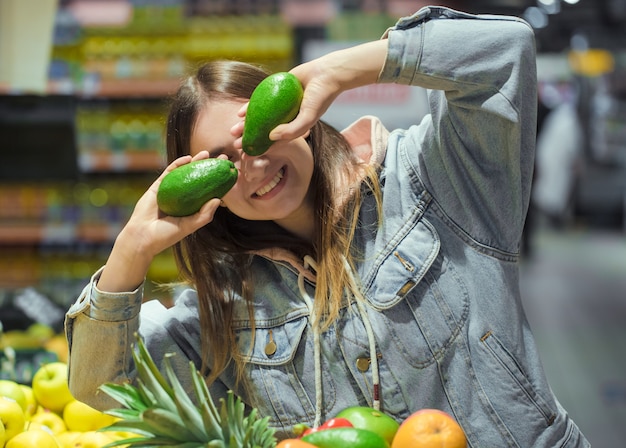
[363, 364]
[270, 348]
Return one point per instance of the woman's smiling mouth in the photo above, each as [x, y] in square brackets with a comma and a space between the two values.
[271, 184]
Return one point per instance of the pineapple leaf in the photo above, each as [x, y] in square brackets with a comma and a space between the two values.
[152, 378]
[211, 421]
[146, 394]
[209, 412]
[188, 411]
[159, 412]
[135, 426]
[144, 355]
[126, 414]
[131, 441]
[125, 394]
[168, 424]
[151, 442]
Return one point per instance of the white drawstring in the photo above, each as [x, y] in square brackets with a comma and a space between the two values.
[360, 300]
[309, 261]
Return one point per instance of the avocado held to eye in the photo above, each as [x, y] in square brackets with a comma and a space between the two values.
[276, 100]
[185, 189]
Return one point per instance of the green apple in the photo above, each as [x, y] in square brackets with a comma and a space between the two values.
[50, 386]
[12, 417]
[12, 390]
[369, 418]
[39, 438]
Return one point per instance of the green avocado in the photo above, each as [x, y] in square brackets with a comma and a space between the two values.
[345, 437]
[276, 100]
[185, 189]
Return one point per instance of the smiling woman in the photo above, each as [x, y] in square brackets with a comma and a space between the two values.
[340, 258]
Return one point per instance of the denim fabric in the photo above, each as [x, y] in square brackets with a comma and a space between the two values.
[439, 275]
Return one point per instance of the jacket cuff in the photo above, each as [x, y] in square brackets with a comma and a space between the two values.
[404, 49]
[107, 306]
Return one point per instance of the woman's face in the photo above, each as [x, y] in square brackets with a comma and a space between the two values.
[272, 186]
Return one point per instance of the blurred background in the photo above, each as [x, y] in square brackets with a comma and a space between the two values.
[83, 89]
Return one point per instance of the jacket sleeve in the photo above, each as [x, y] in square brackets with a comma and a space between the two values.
[100, 328]
[476, 147]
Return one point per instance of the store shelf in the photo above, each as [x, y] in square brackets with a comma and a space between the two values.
[29, 233]
[120, 88]
[124, 162]
[134, 88]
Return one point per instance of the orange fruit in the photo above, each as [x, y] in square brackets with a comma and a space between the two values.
[429, 428]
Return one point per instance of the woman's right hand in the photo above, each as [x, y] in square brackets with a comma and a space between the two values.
[149, 232]
[326, 77]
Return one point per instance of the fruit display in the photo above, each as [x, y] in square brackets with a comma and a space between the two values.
[156, 411]
[276, 100]
[38, 410]
[185, 189]
[159, 412]
[25, 422]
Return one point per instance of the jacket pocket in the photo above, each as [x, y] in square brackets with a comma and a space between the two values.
[281, 372]
[401, 265]
[520, 380]
[422, 298]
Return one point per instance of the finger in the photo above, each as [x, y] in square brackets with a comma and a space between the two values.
[295, 128]
[202, 217]
[238, 143]
[172, 166]
[244, 109]
[237, 129]
[201, 155]
[178, 162]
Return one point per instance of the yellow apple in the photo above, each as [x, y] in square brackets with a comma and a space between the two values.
[54, 422]
[66, 439]
[39, 438]
[80, 416]
[50, 386]
[2, 433]
[31, 402]
[12, 417]
[92, 439]
[12, 390]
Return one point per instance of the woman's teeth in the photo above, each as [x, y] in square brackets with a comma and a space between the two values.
[270, 186]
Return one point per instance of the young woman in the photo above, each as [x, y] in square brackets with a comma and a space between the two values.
[359, 268]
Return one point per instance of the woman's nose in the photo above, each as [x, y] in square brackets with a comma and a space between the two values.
[253, 167]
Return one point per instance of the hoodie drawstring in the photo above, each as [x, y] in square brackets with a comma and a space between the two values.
[317, 355]
[360, 300]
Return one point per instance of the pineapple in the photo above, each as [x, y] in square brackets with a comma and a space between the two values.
[158, 412]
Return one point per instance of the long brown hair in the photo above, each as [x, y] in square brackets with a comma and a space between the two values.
[215, 257]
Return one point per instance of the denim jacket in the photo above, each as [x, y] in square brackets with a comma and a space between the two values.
[441, 324]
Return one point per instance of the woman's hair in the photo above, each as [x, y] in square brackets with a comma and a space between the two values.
[215, 258]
